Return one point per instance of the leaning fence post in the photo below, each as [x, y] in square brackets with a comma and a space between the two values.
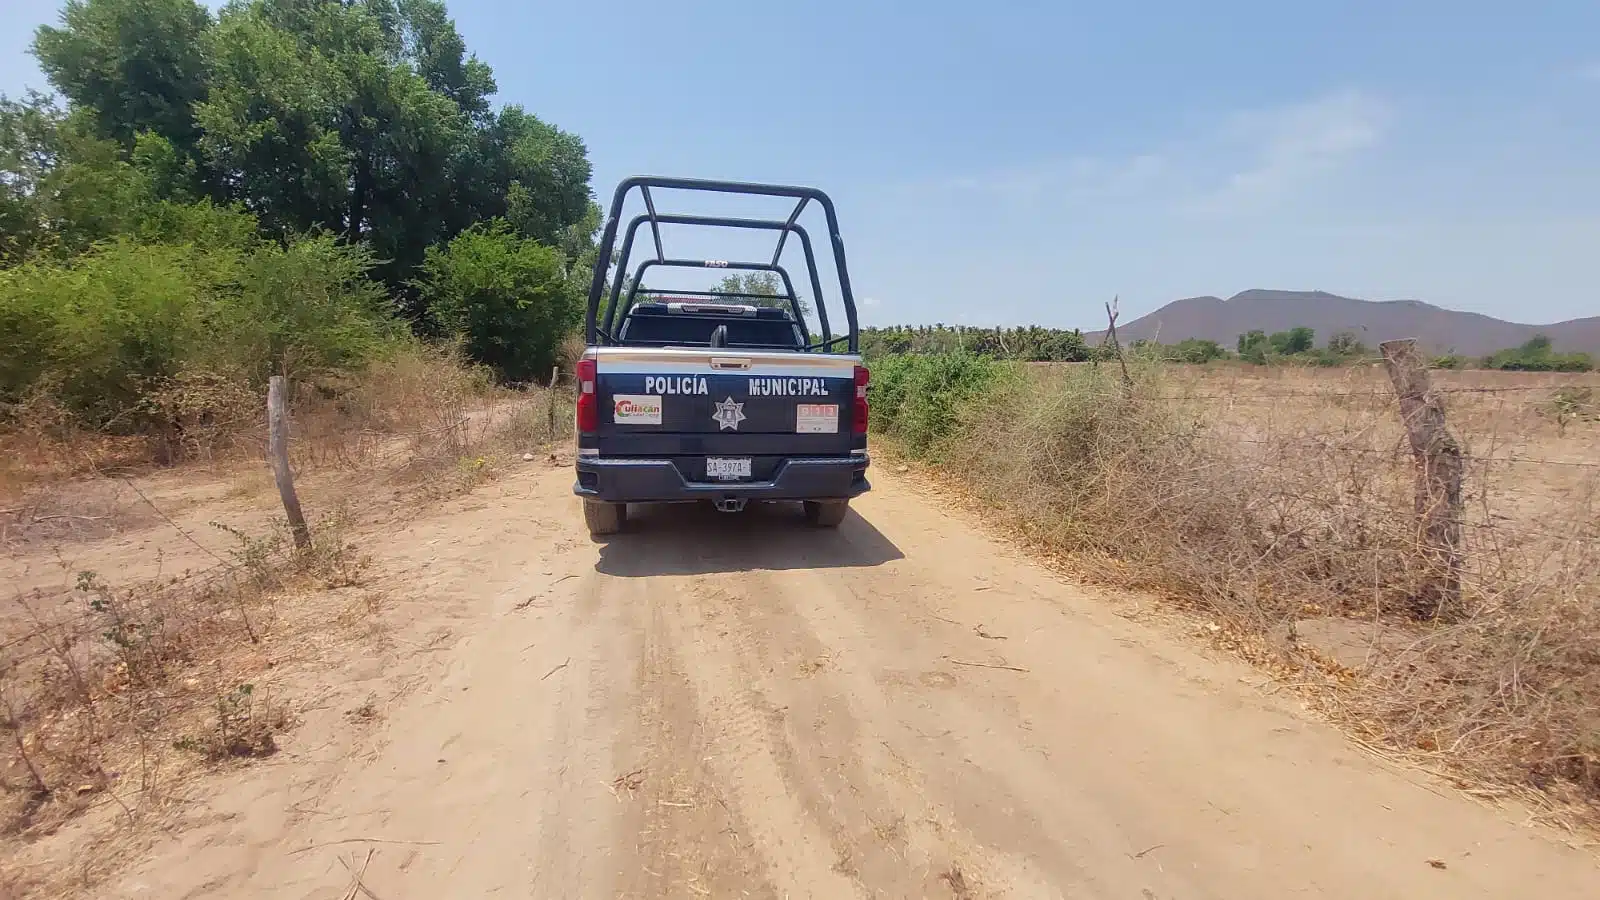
[1438, 491]
[1113, 309]
[278, 450]
[555, 372]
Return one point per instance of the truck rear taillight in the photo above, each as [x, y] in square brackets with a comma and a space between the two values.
[588, 400]
[859, 420]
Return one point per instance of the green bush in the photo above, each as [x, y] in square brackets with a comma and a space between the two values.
[1031, 343]
[919, 400]
[103, 330]
[1196, 351]
[96, 331]
[1536, 355]
[506, 298]
[307, 309]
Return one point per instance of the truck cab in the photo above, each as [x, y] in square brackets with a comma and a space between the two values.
[726, 398]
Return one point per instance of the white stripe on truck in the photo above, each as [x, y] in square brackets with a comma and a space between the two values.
[629, 367]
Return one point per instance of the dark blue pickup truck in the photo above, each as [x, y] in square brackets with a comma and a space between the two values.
[698, 395]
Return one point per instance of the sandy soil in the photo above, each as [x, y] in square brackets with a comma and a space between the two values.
[725, 706]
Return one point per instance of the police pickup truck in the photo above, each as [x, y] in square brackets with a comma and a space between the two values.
[727, 398]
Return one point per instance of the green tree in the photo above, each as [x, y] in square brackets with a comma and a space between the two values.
[1253, 346]
[539, 181]
[1345, 343]
[363, 118]
[1296, 340]
[506, 298]
[1032, 343]
[62, 188]
[369, 119]
[1197, 351]
[758, 289]
[134, 65]
[29, 148]
[1537, 355]
[320, 119]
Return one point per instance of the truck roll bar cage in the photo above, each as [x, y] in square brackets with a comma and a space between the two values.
[788, 284]
[613, 311]
[594, 330]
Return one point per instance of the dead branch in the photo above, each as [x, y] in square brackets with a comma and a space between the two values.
[979, 665]
[362, 840]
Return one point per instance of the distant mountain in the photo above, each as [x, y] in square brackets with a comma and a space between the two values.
[1438, 329]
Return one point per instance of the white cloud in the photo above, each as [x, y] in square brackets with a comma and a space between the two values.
[1247, 161]
[1289, 147]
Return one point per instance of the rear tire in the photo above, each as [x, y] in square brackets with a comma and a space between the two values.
[604, 518]
[826, 513]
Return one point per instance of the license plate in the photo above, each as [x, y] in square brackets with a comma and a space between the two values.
[727, 468]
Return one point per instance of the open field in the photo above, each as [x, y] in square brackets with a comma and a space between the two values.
[1531, 440]
[456, 692]
[1281, 504]
[155, 620]
[710, 706]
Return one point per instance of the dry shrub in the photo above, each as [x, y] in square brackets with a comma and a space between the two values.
[1283, 502]
[202, 415]
[1255, 527]
[416, 409]
[43, 441]
[1512, 693]
[543, 416]
[426, 419]
[419, 416]
[198, 415]
[108, 679]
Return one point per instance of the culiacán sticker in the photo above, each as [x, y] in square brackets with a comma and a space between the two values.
[636, 409]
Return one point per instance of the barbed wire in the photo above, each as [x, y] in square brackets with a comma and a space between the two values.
[1303, 445]
[1404, 517]
[1374, 391]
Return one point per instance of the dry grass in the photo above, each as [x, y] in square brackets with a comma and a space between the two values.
[110, 690]
[114, 685]
[422, 417]
[426, 420]
[1280, 502]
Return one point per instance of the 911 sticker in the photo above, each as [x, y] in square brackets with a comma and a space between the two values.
[816, 418]
[636, 409]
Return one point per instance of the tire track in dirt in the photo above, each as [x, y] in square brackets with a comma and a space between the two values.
[686, 836]
[730, 756]
[720, 706]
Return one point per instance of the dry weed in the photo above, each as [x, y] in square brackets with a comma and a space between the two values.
[426, 419]
[1282, 502]
[421, 415]
[105, 680]
[102, 681]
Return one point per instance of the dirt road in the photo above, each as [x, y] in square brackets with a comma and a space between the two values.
[728, 707]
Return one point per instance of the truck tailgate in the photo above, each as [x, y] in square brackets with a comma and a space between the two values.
[665, 403]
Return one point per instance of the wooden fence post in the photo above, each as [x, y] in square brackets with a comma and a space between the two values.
[1438, 492]
[278, 450]
[1113, 309]
[555, 373]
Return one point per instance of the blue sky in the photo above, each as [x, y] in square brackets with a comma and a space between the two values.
[1023, 162]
